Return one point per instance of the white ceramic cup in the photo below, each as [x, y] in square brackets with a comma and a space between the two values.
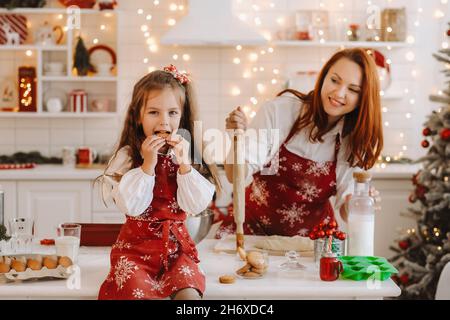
[54, 105]
[104, 69]
[54, 67]
[68, 241]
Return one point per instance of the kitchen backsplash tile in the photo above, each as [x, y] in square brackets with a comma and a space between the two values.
[215, 75]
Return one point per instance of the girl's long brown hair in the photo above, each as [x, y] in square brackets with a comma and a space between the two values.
[133, 132]
[363, 125]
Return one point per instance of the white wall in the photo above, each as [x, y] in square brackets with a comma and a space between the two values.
[215, 74]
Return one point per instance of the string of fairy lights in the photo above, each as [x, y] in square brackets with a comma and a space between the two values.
[269, 79]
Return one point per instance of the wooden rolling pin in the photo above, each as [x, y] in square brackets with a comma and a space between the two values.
[239, 186]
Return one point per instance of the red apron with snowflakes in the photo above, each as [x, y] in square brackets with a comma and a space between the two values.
[154, 256]
[289, 201]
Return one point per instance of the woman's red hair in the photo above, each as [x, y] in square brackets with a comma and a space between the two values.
[363, 126]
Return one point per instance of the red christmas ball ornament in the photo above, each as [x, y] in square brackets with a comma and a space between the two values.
[341, 236]
[313, 236]
[404, 278]
[329, 232]
[445, 134]
[404, 244]
[426, 132]
[425, 144]
[332, 224]
[420, 191]
[321, 234]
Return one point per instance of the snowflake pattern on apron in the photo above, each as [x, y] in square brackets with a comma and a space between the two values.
[296, 200]
[154, 256]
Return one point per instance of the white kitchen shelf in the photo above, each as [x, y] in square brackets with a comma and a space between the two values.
[52, 11]
[348, 44]
[33, 47]
[62, 53]
[33, 115]
[79, 79]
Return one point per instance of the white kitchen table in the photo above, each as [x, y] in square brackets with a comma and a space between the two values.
[94, 266]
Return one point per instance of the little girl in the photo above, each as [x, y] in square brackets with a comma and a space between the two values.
[151, 180]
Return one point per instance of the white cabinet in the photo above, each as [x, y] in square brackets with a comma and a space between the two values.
[52, 202]
[389, 223]
[9, 188]
[102, 213]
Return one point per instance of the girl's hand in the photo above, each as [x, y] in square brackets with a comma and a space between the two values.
[180, 147]
[149, 151]
[236, 120]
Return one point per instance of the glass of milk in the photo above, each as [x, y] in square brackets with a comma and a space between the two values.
[68, 241]
[361, 218]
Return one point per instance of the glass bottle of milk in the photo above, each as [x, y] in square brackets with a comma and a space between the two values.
[361, 218]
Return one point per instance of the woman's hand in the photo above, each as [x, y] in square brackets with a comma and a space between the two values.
[180, 147]
[236, 120]
[149, 151]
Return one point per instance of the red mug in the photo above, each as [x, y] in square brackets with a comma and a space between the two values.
[86, 155]
[330, 268]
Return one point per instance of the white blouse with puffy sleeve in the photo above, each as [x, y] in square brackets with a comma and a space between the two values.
[133, 192]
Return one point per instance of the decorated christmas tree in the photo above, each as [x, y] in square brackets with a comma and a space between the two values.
[81, 61]
[422, 253]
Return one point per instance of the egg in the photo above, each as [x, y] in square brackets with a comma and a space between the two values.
[18, 265]
[49, 262]
[34, 264]
[65, 262]
[4, 267]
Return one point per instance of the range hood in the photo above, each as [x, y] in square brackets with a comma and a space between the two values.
[211, 22]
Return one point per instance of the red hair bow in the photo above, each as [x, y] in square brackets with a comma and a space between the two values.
[181, 77]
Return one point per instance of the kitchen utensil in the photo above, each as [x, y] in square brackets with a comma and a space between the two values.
[199, 225]
[239, 186]
[292, 262]
[22, 230]
[362, 267]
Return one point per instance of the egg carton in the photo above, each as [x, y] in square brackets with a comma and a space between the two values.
[365, 267]
[60, 272]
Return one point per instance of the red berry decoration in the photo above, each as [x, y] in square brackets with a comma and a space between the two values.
[321, 234]
[426, 132]
[425, 144]
[333, 224]
[403, 244]
[445, 134]
[329, 232]
[404, 278]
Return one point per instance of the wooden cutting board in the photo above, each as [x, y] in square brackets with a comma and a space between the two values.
[91, 166]
[228, 245]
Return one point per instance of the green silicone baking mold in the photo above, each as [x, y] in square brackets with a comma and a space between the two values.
[361, 268]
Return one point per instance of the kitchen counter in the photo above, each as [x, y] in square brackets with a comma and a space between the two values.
[50, 172]
[94, 266]
[59, 172]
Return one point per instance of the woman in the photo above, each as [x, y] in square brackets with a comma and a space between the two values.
[323, 137]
